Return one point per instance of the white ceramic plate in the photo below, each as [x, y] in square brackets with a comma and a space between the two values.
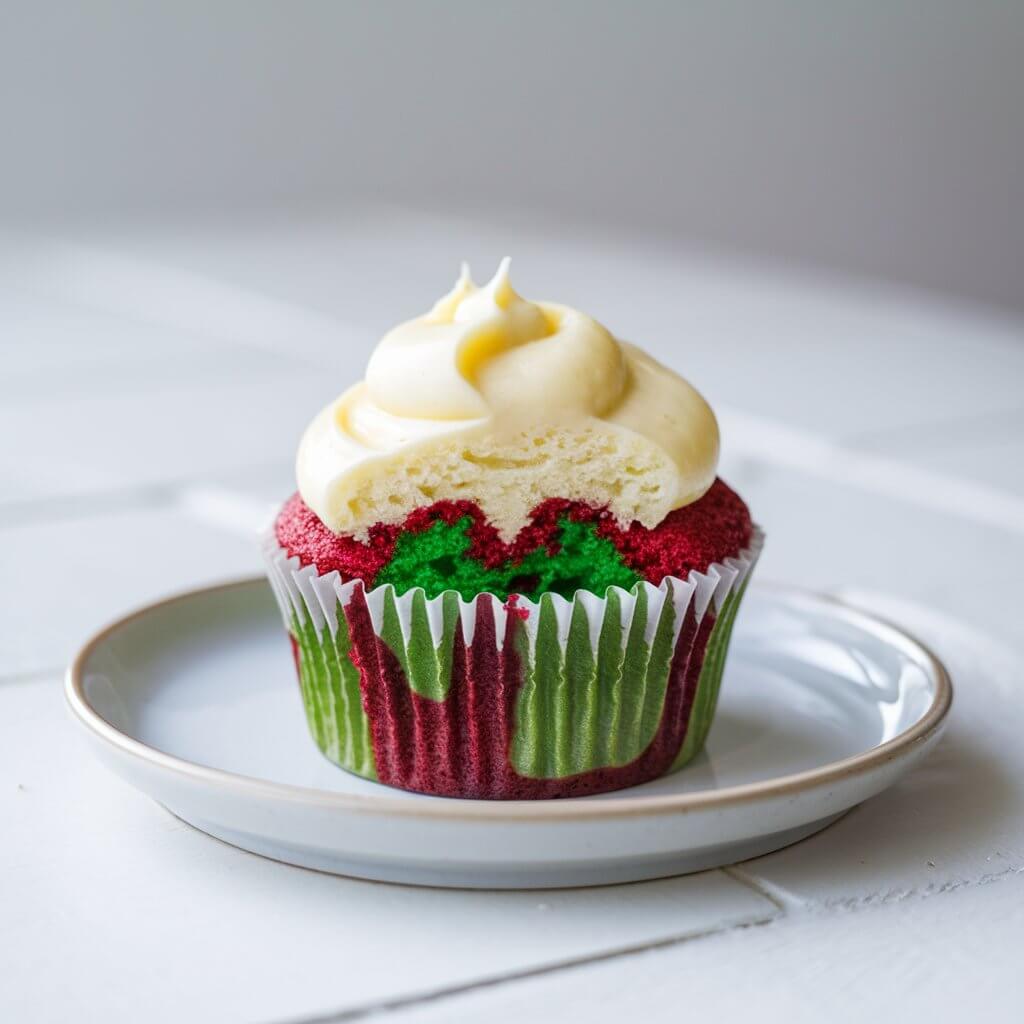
[194, 700]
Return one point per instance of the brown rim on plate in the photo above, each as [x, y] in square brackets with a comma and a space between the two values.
[614, 806]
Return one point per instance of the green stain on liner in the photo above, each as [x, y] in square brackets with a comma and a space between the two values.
[608, 671]
[329, 683]
[709, 682]
[577, 712]
[427, 668]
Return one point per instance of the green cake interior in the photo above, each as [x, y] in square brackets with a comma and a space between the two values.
[438, 559]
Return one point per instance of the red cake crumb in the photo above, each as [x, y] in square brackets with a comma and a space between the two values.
[714, 527]
[512, 607]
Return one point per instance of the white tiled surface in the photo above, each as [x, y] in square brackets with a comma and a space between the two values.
[153, 388]
[940, 960]
[75, 575]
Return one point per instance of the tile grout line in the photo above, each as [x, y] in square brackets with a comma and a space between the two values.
[131, 498]
[929, 437]
[148, 291]
[828, 460]
[32, 675]
[385, 1007]
[783, 900]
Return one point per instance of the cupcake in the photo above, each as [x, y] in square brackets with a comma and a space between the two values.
[510, 570]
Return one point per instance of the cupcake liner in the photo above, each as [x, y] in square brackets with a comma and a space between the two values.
[509, 699]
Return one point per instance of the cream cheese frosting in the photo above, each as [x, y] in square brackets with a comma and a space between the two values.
[506, 402]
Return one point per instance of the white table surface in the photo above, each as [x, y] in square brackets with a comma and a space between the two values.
[154, 383]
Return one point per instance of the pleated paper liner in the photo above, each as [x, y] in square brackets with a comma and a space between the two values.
[510, 699]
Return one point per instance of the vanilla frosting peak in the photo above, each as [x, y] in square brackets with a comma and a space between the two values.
[506, 402]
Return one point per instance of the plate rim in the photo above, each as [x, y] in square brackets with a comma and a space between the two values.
[567, 810]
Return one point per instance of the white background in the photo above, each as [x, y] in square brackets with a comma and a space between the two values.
[886, 139]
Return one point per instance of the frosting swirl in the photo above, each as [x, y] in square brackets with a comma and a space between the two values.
[506, 402]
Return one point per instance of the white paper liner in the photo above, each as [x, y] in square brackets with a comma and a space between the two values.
[304, 593]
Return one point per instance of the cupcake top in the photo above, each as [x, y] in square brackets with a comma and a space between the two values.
[506, 403]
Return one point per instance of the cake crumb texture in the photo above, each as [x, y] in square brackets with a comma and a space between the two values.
[566, 545]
